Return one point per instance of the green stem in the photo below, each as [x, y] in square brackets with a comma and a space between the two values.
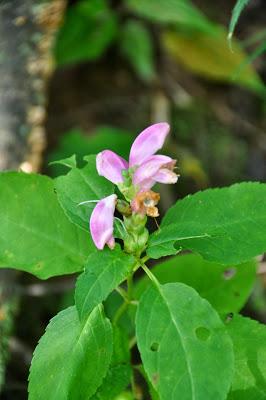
[120, 312]
[150, 275]
[122, 293]
[130, 287]
[127, 296]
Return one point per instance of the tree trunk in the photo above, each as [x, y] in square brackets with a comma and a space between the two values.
[27, 31]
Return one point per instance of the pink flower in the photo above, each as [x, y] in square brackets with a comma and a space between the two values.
[102, 222]
[110, 165]
[148, 168]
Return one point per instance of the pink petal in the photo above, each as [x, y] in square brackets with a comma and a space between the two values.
[149, 168]
[110, 165]
[165, 175]
[147, 184]
[147, 143]
[102, 222]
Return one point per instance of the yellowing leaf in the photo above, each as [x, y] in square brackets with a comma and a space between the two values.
[210, 56]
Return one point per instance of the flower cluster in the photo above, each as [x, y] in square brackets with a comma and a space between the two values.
[134, 180]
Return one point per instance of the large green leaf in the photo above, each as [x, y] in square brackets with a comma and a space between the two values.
[35, 235]
[226, 288]
[181, 12]
[71, 358]
[119, 374]
[104, 271]
[249, 341]
[87, 31]
[225, 225]
[183, 344]
[82, 184]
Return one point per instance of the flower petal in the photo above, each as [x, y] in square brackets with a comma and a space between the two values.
[165, 175]
[102, 222]
[110, 165]
[149, 168]
[147, 143]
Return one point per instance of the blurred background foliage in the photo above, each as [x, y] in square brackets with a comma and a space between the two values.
[125, 64]
[122, 65]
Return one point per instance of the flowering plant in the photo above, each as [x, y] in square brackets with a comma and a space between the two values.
[181, 316]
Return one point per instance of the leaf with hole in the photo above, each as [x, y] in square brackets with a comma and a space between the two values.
[226, 225]
[227, 288]
[36, 236]
[72, 358]
[104, 271]
[183, 344]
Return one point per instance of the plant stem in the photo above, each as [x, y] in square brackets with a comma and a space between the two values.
[130, 286]
[150, 275]
[122, 293]
[120, 312]
[127, 296]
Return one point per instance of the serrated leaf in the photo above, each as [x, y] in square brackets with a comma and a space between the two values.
[225, 225]
[137, 47]
[82, 184]
[238, 8]
[89, 28]
[104, 271]
[36, 236]
[181, 12]
[71, 358]
[119, 373]
[183, 344]
[226, 288]
[249, 338]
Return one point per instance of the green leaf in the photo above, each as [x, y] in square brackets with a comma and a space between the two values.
[181, 12]
[88, 29]
[137, 47]
[104, 271]
[119, 374]
[71, 358]
[35, 235]
[225, 225]
[239, 6]
[69, 162]
[226, 288]
[82, 184]
[249, 338]
[183, 344]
